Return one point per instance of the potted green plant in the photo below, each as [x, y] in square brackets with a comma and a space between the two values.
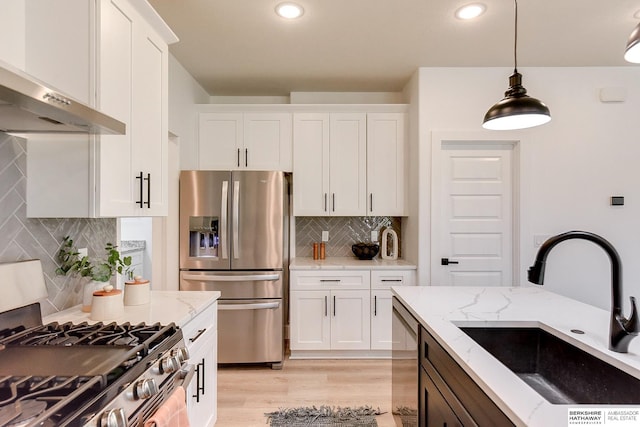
[98, 271]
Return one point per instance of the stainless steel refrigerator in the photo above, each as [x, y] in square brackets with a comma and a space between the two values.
[234, 239]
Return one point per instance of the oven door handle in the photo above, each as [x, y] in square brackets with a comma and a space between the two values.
[239, 278]
[252, 306]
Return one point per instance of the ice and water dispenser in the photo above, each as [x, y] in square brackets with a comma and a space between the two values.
[203, 237]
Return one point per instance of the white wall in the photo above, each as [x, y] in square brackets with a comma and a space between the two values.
[569, 167]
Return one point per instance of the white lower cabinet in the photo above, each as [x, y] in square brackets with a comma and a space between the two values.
[341, 311]
[201, 337]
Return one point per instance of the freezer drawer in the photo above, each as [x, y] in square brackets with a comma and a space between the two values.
[250, 331]
[234, 284]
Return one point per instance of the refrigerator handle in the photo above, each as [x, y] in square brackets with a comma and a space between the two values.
[236, 212]
[223, 219]
[232, 278]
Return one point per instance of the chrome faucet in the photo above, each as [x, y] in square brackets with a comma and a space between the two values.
[621, 330]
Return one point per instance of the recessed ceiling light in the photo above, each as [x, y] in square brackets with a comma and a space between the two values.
[470, 11]
[289, 10]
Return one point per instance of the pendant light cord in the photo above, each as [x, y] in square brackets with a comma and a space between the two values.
[515, 38]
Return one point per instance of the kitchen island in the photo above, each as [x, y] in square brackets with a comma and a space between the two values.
[442, 310]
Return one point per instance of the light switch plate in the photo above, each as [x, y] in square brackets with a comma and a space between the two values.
[374, 235]
[83, 252]
[325, 236]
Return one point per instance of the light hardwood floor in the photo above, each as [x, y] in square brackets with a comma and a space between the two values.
[246, 393]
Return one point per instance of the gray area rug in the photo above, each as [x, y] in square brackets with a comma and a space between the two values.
[324, 416]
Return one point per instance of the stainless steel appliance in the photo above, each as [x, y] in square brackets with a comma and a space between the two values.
[233, 239]
[404, 366]
[28, 106]
[86, 374]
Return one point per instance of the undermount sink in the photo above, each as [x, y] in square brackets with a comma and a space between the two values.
[555, 369]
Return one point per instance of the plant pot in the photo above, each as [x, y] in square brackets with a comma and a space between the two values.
[87, 293]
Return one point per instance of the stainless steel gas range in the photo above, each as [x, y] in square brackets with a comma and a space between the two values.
[104, 375]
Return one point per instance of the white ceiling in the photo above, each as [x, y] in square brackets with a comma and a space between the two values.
[240, 47]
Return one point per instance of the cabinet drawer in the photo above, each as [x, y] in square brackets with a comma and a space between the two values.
[310, 280]
[384, 279]
[464, 391]
[197, 328]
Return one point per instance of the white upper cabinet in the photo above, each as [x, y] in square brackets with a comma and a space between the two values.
[133, 87]
[121, 175]
[244, 140]
[58, 45]
[12, 30]
[386, 171]
[349, 164]
[329, 166]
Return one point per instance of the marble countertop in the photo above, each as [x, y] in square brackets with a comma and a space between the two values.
[441, 309]
[132, 245]
[349, 263]
[165, 307]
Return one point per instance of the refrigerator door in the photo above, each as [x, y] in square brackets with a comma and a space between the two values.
[257, 220]
[205, 198]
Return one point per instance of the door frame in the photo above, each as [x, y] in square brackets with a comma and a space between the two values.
[475, 139]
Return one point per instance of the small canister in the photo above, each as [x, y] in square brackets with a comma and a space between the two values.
[107, 304]
[137, 291]
[315, 251]
[322, 250]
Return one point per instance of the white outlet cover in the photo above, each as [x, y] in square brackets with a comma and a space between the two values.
[325, 236]
[82, 252]
[374, 235]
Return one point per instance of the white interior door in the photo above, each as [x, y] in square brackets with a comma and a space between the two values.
[473, 214]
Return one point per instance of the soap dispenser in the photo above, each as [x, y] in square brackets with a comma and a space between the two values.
[387, 234]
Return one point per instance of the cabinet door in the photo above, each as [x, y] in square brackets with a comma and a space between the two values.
[220, 141]
[347, 160]
[350, 320]
[114, 167]
[381, 315]
[150, 119]
[12, 33]
[310, 322]
[310, 164]
[386, 171]
[434, 410]
[202, 391]
[267, 141]
[58, 45]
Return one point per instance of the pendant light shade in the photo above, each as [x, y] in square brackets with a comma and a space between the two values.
[632, 52]
[516, 110]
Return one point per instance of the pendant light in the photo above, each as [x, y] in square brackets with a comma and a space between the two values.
[632, 52]
[516, 110]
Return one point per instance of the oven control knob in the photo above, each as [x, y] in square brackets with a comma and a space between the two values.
[169, 364]
[144, 389]
[181, 353]
[113, 418]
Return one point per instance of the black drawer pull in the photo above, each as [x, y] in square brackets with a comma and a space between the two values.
[200, 332]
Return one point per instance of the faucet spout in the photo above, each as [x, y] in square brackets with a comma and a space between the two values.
[621, 330]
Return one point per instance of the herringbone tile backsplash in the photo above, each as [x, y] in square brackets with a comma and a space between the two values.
[343, 232]
[24, 238]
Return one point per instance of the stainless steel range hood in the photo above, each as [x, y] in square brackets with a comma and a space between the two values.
[27, 106]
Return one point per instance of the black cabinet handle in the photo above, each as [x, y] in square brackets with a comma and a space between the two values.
[445, 261]
[148, 202]
[238, 162]
[246, 157]
[141, 202]
[333, 201]
[371, 202]
[200, 332]
[199, 381]
[375, 305]
[334, 306]
[326, 306]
